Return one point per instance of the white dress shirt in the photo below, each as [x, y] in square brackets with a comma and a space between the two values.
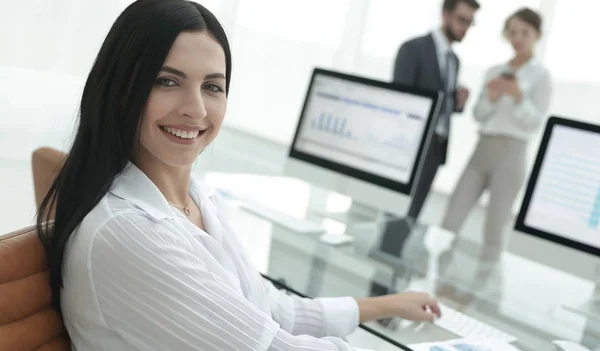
[506, 117]
[138, 275]
[443, 49]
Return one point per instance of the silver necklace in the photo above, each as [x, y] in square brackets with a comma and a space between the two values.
[185, 209]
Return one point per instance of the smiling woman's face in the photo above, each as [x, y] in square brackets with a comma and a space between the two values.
[187, 104]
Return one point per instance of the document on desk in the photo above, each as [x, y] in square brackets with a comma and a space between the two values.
[464, 345]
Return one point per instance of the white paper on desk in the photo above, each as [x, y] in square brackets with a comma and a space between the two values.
[464, 345]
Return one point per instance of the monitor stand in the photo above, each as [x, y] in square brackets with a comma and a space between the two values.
[590, 308]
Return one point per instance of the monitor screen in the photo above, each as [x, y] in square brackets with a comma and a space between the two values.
[368, 129]
[562, 202]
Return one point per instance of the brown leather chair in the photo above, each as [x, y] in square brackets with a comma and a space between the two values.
[45, 164]
[27, 320]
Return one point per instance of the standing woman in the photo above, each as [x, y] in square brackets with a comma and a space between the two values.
[511, 108]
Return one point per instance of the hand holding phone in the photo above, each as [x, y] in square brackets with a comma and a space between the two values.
[496, 88]
[506, 83]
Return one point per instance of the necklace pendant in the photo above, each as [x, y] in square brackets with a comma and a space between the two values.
[186, 211]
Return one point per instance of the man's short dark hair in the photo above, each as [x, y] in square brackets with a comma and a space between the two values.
[450, 5]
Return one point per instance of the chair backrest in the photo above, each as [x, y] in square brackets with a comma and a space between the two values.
[27, 320]
[46, 162]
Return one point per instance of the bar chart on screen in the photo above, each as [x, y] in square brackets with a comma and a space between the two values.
[339, 128]
[332, 125]
[373, 134]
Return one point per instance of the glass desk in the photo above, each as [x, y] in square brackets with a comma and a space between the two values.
[508, 292]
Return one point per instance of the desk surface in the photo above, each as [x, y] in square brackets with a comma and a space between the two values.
[506, 291]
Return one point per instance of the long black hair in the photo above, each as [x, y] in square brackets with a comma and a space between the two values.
[112, 105]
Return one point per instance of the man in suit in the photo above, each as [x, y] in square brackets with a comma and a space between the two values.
[428, 62]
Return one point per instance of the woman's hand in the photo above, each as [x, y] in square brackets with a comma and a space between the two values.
[413, 306]
[501, 85]
[511, 87]
[495, 88]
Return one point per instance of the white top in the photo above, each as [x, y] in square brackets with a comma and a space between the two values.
[506, 117]
[139, 276]
[443, 48]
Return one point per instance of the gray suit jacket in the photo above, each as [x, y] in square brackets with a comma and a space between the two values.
[417, 66]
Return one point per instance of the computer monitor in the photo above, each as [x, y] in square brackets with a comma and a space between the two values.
[562, 199]
[363, 138]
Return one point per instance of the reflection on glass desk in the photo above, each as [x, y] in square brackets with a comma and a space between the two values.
[508, 292]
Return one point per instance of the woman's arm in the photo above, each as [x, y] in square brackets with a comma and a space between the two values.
[487, 101]
[414, 306]
[339, 317]
[532, 107]
[336, 317]
[157, 295]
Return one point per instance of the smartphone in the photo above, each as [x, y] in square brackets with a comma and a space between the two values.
[508, 75]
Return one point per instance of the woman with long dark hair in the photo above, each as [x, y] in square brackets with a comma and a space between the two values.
[141, 255]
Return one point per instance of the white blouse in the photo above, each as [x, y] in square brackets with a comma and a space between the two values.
[139, 276]
[506, 117]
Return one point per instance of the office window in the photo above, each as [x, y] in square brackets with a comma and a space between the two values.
[572, 56]
[62, 36]
[391, 22]
[29, 32]
[304, 21]
[388, 24]
[275, 46]
[572, 52]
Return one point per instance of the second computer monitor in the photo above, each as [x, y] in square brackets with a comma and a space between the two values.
[562, 199]
[362, 137]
